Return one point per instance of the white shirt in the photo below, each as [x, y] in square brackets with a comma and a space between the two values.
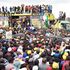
[40, 61]
[35, 57]
[35, 68]
[20, 49]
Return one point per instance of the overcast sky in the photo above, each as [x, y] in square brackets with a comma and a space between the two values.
[58, 5]
[18, 2]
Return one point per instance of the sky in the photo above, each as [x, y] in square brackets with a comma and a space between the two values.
[18, 2]
[58, 5]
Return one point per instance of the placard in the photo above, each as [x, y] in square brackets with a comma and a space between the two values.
[6, 24]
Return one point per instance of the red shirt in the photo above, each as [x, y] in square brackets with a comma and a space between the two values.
[65, 63]
[49, 68]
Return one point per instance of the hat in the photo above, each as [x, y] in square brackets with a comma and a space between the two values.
[35, 49]
[55, 65]
[64, 57]
[41, 50]
[9, 49]
[52, 53]
[24, 55]
[34, 38]
[35, 68]
[20, 51]
[27, 56]
[37, 41]
[14, 49]
[65, 53]
[39, 45]
[21, 42]
[28, 51]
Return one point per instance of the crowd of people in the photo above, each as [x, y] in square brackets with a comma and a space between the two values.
[33, 49]
[34, 9]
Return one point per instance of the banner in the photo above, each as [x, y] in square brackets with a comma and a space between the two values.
[9, 35]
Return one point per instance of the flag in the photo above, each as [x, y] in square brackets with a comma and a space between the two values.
[45, 19]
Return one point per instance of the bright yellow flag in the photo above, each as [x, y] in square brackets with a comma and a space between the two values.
[51, 17]
[58, 25]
